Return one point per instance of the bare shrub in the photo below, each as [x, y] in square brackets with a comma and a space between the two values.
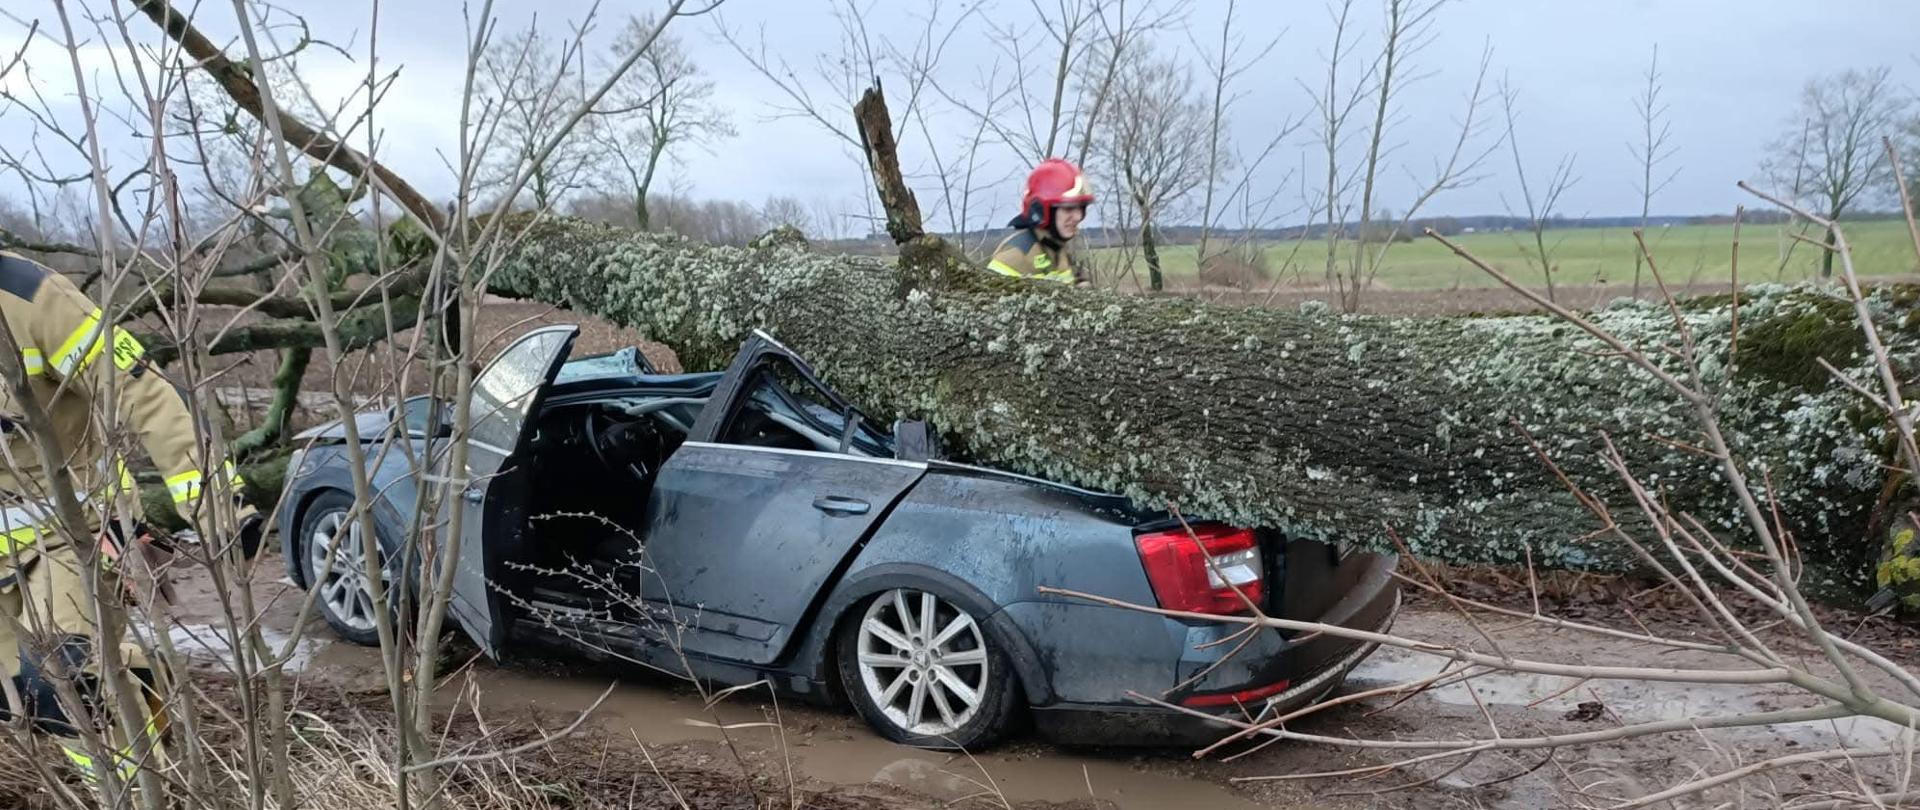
[1242, 267]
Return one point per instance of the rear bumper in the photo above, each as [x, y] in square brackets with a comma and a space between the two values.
[1148, 725]
[1369, 600]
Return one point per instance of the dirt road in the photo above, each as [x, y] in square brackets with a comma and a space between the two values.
[832, 752]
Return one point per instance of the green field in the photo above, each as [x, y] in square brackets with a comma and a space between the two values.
[1583, 256]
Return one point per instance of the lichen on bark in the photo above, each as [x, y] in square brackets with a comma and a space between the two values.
[1324, 425]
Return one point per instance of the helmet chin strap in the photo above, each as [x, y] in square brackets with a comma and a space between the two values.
[1050, 233]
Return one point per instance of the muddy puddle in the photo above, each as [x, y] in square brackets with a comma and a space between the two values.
[198, 630]
[837, 748]
[214, 643]
[1637, 702]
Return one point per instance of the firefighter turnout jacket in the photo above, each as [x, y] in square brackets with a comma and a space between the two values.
[70, 354]
[1025, 254]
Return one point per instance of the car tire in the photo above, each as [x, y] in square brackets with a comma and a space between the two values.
[893, 663]
[343, 600]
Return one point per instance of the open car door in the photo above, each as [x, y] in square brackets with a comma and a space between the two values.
[777, 485]
[504, 395]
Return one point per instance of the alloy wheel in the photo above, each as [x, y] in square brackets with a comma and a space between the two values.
[923, 661]
[341, 577]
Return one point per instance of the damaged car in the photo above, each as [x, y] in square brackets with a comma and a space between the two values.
[752, 524]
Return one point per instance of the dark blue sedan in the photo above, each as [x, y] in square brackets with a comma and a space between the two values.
[753, 524]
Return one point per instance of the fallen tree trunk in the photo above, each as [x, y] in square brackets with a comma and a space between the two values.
[1323, 425]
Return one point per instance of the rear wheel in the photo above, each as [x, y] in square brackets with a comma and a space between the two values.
[334, 548]
[924, 671]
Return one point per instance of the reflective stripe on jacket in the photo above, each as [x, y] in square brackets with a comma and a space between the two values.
[1024, 255]
[23, 522]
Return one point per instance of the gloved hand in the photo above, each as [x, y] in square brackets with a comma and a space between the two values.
[250, 530]
[253, 528]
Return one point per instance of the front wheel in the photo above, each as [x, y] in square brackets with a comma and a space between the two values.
[335, 551]
[923, 671]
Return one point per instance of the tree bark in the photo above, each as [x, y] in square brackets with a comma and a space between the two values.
[876, 134]
[645, 186]
[1325, 426]
[1151, 250]
[359, 328]
[286, 395]
[1826, 258]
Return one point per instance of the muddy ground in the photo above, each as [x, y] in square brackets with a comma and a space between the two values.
[828, 757]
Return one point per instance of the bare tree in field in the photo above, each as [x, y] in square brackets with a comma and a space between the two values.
[1348, 205]
[1906, 144]
[1044, 117]
[1123, 32]
[1226, 63]
[662, 105]
[1335, 101]
[1831, 154]
[790, 212]
[528, 85]
[839, 77]
[1156, 147]
[1652, 151]
[1541, 205]
[1409, 27]
[1064, 59]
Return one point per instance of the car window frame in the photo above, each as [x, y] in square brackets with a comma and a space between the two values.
[740, 382]
[867, 439]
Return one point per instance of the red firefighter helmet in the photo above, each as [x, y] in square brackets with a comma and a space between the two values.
[1052, 184]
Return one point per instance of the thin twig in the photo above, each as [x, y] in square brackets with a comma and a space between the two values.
[535, 745]
[1906, 201]
[1733, 346]
[1676, 675]
[1408, 555]
[1737, 774]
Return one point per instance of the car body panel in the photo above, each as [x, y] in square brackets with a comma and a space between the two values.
[1004, 537]
[506, 394]
[320, 468]
[796, 515]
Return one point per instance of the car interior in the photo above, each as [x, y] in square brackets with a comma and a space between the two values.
[591, 465]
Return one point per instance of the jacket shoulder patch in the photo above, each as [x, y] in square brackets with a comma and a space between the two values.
[20, 277]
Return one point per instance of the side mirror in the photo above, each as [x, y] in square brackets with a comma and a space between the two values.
[915, 441]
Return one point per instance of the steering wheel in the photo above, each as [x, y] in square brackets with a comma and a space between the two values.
[594, 444]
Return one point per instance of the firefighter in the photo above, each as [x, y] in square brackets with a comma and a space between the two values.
[1051, 211]
[69, 355]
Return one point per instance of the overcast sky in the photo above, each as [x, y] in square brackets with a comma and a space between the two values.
[1733, 70]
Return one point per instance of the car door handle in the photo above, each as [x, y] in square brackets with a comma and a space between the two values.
[836, 505]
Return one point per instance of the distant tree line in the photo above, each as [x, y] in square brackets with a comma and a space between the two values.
[1444, 225]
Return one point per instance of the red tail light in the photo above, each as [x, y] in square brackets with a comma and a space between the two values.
[1182, 578]
[1240, 698]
